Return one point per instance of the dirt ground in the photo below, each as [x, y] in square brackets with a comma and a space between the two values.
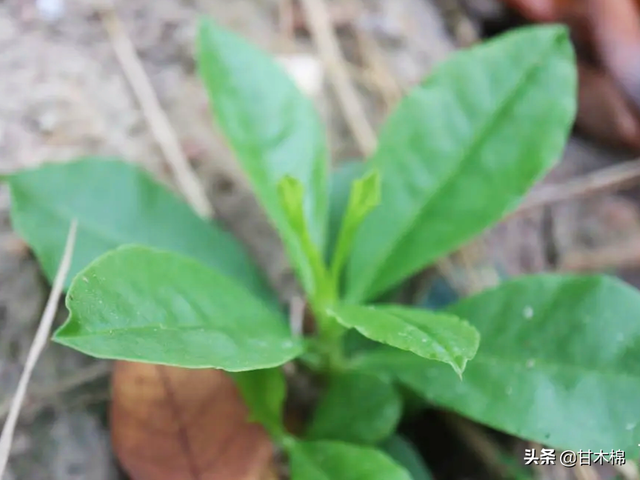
[64, 95]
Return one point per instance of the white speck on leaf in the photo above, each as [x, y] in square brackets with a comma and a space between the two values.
[527, 312]
[530, 363]
[630, 426]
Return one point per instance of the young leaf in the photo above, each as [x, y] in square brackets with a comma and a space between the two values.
[558, 362]
[462, 149]
[357, 408]
[116, 203]
[330, 460]
[273, 128]
[141, 304]
[340, 184]
[406, 454]
[291, 194]
[364, 197]
[434, 336]
[264, 392]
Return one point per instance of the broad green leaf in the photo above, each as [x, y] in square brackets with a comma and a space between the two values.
[559, 363]
[434, 336]
[117, 203]
[273, 128]
[141, 304]
[331, 460]
[364, 197]
[264, 392]
[357, 408]
[340, 183]
[406, 454]
[462, 149]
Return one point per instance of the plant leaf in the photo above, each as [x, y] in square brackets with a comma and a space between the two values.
[291, 194]
[273, 128]
[558, 362]
[264, 392]
[356, 408]
[141, 304]
[462, 149]
[117, 203]
[364, 197]
[174, 424]
[330, 460]
[406, 454]
[340, 184]
[434, 336]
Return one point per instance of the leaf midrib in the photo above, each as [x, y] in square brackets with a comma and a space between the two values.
[463, 160]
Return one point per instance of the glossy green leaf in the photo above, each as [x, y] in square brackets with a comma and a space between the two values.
[141, 304]
[117, 203]
[364, 197]
[406, 454]
[356, 408]
[434, 336]
[331, 460]
[264, 392]
[559, 362]
[273, 128]
[462, 149]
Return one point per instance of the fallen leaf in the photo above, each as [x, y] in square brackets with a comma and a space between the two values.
[616, 32]
[171, 423]
[603, 112]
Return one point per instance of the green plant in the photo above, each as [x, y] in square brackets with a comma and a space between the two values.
[550, 358]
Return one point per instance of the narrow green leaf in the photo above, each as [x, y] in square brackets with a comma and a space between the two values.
[406, 454]
[462, 149]
[434, 336]
[330, 460]
[117, 203]
[356, 408]
[141, 304]
[291, 194]
[264, 392]
[559, 363]
[364, 197]
[340, 184]
[273, 128]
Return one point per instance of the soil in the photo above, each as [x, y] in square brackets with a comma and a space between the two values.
[64, 95]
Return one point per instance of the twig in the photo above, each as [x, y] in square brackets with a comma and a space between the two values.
[486, 450]
[155, 116]
[319, 21]
[38, 398]
[605, 180]
[296, 315]
[586, 472]
[629, 470]
[38, 345]
[624, 255]
[387, 84]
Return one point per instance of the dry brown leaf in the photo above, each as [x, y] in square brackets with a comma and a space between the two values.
[180, 424]
[604, 113]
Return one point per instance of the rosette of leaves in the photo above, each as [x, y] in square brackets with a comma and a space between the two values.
[549, 358]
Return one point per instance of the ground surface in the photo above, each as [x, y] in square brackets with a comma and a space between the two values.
[63, 95]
